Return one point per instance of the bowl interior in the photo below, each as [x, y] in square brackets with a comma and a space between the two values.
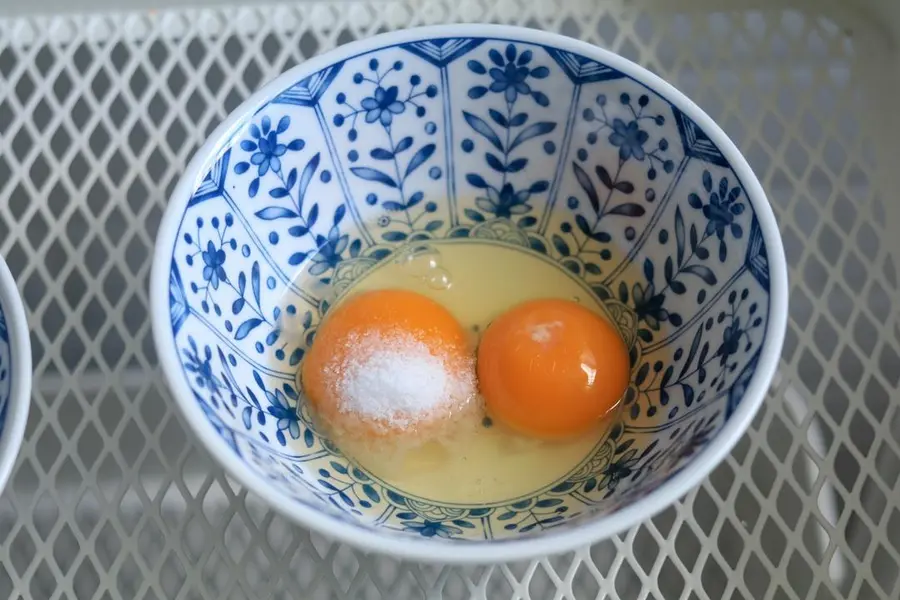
[496, 138]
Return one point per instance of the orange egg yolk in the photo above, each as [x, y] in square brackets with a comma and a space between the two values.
[551, 368]
[387, 313]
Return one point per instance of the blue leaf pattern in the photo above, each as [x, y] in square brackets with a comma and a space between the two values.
[484, 129]
[419, 158]
[393, 102]
[511, 77]
[271, 213]
[532, 131]
[373, 175]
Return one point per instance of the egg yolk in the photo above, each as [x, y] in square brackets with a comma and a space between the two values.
[551, 368]
[384, 314]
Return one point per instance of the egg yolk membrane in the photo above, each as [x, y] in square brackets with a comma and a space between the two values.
[551, 368]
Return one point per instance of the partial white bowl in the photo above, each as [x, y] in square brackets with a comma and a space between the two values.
[15, 373]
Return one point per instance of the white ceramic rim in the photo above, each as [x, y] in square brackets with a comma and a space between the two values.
[20, 391]
[448, 551]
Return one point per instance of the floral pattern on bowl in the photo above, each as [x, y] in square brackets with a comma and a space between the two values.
[509, 138]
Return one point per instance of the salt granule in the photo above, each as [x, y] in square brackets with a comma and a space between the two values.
[398, 379]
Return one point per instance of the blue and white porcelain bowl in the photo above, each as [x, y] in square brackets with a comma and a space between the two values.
[15, 373]
[514, 137]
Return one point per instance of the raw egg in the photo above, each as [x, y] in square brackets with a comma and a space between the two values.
[388, 361]
[551, 368]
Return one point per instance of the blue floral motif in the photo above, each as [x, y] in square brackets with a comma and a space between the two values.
[736, 336]
[690, 254]
[629, 138]
[649, 306]
[655, 383]
[293, 185]
[213, 258]
[281, 404]
[247, 306]
[627, 135]
[617, 471]
[330, 252]
[381, 108]
[266, 150]
[720, 210]
[213, 254]
[682, 443]
[433, 528]
[505, 203]
[617, 460]
[510, 77]
[590, 237]
[533, 513]
[284, 413]
[731, 340]
[348, 486]
[201, 367]
[649, 303]
[383, 105]
[700, 435]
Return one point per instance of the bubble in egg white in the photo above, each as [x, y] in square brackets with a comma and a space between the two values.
[418, 261]
[439, 279]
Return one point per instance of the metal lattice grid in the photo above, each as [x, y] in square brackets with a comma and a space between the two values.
[112, 499]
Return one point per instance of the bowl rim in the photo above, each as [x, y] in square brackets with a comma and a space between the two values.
[444, 551]
[19, 402]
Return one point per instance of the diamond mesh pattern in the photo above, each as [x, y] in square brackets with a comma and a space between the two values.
[111, 498]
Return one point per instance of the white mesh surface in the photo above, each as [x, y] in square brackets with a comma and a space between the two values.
[111, 499]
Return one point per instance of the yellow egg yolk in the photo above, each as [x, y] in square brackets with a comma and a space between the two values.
[342, 342]
[551, 368]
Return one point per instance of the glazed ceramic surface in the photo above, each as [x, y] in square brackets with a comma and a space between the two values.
[501, 135]
[15, 373]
